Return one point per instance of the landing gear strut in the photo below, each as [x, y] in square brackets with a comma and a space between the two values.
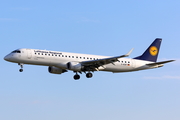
[21, 65]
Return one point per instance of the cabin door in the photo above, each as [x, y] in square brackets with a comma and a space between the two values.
[29, 53]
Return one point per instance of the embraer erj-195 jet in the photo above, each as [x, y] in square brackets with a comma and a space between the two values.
[60, 62]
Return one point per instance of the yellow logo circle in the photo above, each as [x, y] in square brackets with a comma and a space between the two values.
[153, 50]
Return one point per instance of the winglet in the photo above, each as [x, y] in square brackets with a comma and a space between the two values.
[129, 52]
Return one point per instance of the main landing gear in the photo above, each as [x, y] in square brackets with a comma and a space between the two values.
[77, 77]
[21, 65]
[89, 75]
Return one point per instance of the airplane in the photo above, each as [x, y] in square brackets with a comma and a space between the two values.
[61, 62]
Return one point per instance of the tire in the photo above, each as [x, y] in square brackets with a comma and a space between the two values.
[20, 70]
[76, 77]
[89, 75]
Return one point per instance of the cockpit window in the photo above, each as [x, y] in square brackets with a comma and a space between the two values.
[16, 51]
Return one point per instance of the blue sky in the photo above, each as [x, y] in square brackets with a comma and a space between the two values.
[91, 27]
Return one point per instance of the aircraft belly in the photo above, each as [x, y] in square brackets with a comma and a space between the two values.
[118, 68]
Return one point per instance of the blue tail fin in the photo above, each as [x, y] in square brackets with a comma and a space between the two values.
[152, 52]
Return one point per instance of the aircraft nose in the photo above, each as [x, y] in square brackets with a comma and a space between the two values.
[7, 58]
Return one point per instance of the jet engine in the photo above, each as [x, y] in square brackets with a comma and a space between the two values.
[56, 70]
[75, 66]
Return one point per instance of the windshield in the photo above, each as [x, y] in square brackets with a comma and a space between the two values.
[16, 51]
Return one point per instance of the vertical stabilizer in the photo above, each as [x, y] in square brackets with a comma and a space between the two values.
[152, 52]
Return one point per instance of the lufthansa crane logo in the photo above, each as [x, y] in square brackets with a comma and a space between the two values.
[153, 50]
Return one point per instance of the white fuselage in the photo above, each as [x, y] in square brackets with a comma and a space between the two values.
[60, 60]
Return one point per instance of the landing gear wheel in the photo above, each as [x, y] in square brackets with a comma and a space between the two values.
[89, 75]
[20, 70]
[76, 77]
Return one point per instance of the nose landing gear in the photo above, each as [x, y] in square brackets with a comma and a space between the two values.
[21, 65]
[20, 70]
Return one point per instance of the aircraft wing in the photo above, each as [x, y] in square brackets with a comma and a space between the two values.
[159, 63]
[101, 62]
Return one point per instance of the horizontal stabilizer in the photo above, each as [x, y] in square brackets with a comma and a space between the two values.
[159, 63]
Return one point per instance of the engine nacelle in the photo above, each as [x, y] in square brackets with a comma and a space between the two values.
[75, 66]
[56, 70]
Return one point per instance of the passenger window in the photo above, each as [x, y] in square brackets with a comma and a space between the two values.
[62, 55]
